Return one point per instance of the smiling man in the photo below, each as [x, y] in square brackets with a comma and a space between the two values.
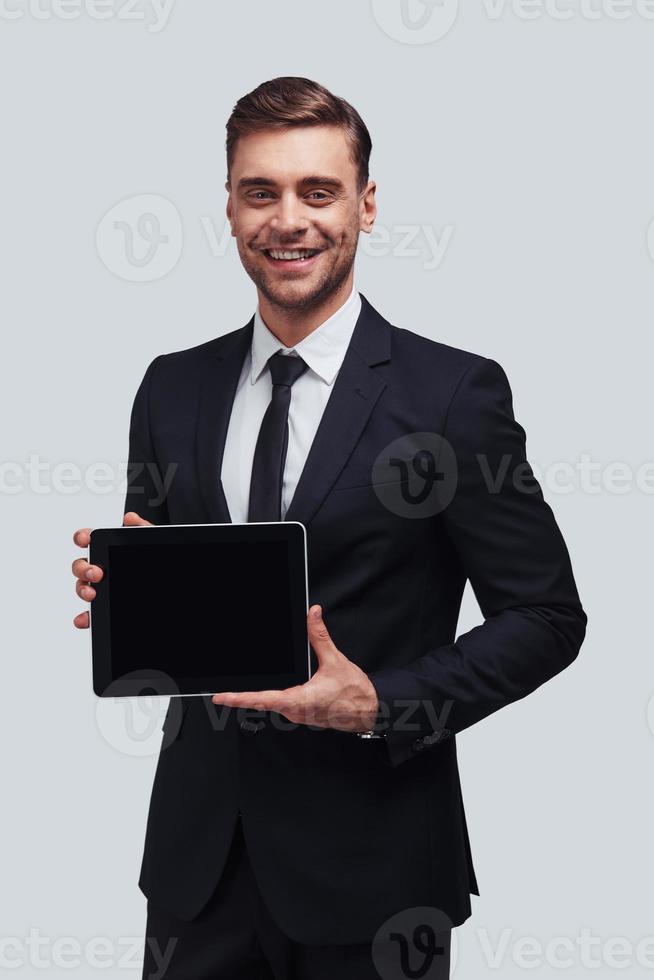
[319, 832]
[297, 230]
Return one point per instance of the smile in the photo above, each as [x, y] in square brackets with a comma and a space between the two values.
[292, 258]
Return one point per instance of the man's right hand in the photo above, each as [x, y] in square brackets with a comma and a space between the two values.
[85, 573]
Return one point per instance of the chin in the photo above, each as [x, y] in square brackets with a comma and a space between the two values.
[293, 294]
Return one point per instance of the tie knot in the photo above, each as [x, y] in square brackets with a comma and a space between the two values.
[285, 369]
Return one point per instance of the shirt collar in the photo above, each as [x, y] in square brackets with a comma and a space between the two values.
[323, 349]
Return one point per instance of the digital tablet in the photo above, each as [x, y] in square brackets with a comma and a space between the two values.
[199, 608]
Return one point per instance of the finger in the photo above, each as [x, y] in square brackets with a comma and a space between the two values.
[81, 621]
[82, 537]
[82, 569]
[259, 700]
[84, 591]
[132, 519]
[319, 637]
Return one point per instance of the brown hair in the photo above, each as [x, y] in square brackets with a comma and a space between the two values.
[294, 101]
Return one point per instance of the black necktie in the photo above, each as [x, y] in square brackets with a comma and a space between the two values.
[272, 442]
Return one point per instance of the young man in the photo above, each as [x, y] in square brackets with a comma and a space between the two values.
[320, 831]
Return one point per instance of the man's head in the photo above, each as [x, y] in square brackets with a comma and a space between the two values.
[297, 177]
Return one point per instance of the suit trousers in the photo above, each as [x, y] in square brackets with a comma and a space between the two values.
[235, 938]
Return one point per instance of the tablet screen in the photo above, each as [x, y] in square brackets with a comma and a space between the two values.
[199, 608]
[175, 605]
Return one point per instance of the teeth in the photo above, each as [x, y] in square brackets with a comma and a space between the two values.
[276, 254]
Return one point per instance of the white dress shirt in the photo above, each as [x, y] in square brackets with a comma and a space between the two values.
[323, 351]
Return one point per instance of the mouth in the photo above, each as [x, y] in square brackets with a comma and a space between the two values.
[292, 258]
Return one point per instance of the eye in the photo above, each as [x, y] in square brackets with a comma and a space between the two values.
[254, 197]
[319, 197]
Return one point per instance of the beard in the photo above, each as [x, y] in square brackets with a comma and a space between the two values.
[297, 295]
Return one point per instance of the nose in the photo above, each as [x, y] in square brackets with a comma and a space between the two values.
[288, 217]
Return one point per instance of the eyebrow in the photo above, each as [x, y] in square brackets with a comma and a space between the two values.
[312, 180]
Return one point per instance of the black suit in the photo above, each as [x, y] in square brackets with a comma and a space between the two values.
[342, 832]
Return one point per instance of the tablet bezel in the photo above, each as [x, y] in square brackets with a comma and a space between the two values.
[148, 683]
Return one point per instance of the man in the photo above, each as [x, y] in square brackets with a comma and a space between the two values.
[320, 831]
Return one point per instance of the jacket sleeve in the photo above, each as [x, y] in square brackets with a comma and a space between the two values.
[146, 494]
[513, 553]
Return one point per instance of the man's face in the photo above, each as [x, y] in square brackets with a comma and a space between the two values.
[296, 212]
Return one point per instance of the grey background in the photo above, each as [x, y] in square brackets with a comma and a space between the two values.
[524, 143]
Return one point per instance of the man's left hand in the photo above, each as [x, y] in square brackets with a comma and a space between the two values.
[339, 695]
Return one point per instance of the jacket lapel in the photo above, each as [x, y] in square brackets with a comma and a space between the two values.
[355, 392]
[215, 407]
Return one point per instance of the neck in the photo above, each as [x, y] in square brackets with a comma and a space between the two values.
[292, 326]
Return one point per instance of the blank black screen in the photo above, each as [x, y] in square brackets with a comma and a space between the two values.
[176, 608]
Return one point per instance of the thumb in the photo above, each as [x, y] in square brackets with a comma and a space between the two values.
[131, 519]
[319, 637]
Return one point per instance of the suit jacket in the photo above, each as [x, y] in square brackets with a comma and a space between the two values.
[343, 832]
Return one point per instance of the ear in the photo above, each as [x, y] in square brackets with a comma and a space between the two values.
[368, 208]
